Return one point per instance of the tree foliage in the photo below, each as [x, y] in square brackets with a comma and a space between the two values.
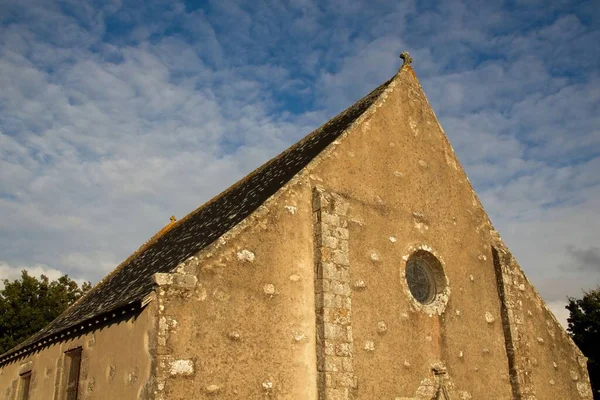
[28, 304]
[584, 327]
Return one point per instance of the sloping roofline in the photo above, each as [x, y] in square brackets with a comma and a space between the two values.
[131, 282]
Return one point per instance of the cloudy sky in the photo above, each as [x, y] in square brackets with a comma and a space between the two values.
[116, 115]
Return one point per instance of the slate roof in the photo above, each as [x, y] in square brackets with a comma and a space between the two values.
[131, 281]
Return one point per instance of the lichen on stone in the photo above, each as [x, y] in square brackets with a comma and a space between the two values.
[245, 256]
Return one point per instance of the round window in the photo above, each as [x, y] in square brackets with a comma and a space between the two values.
[421, 283]
[424, 276]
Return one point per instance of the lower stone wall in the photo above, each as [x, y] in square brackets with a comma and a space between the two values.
[116, 362]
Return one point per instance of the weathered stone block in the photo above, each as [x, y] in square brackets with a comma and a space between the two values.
[190, 267]
[330, 271]
[340, 288]
[332, 331]
[184, 281]
[330, 300]
[329, 347]
[344, 275]
[347, 364]
[344, 246]
[340, 206]
[339, 316]
[333, 364]
[346, 302]
[345, 379]
[330, 241]
[246, 256]
[340, 257]
[343, 349]
[162, 279]
[349, 337]
[330, 219]
[181, 367]
[338, 394]
[342, 233]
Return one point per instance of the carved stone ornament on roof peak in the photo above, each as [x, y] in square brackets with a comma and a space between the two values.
[406, 58]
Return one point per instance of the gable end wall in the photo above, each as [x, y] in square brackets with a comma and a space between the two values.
[255, 323]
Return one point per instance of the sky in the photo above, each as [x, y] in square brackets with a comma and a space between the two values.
[115, 115]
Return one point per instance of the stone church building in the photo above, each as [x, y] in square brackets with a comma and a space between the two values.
[357, 264]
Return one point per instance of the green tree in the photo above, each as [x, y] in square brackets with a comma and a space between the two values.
[28, 304]
[584, 328]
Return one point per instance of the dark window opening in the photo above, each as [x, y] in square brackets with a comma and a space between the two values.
[24, 384]
[71, 371]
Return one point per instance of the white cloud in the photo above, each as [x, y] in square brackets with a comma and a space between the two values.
[98, 154]
[118, 117]
[14, 272]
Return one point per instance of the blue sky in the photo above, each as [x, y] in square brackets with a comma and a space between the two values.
[116, 115]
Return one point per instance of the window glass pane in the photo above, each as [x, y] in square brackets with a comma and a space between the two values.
[421, 282]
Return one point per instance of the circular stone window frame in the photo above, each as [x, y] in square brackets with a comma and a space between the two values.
[437, 305]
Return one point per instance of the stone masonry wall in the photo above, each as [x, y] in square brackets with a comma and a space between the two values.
[512, 322]
[543, 361]
[115, 361]
[167, 364]
[336, 379]
[237, 320]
